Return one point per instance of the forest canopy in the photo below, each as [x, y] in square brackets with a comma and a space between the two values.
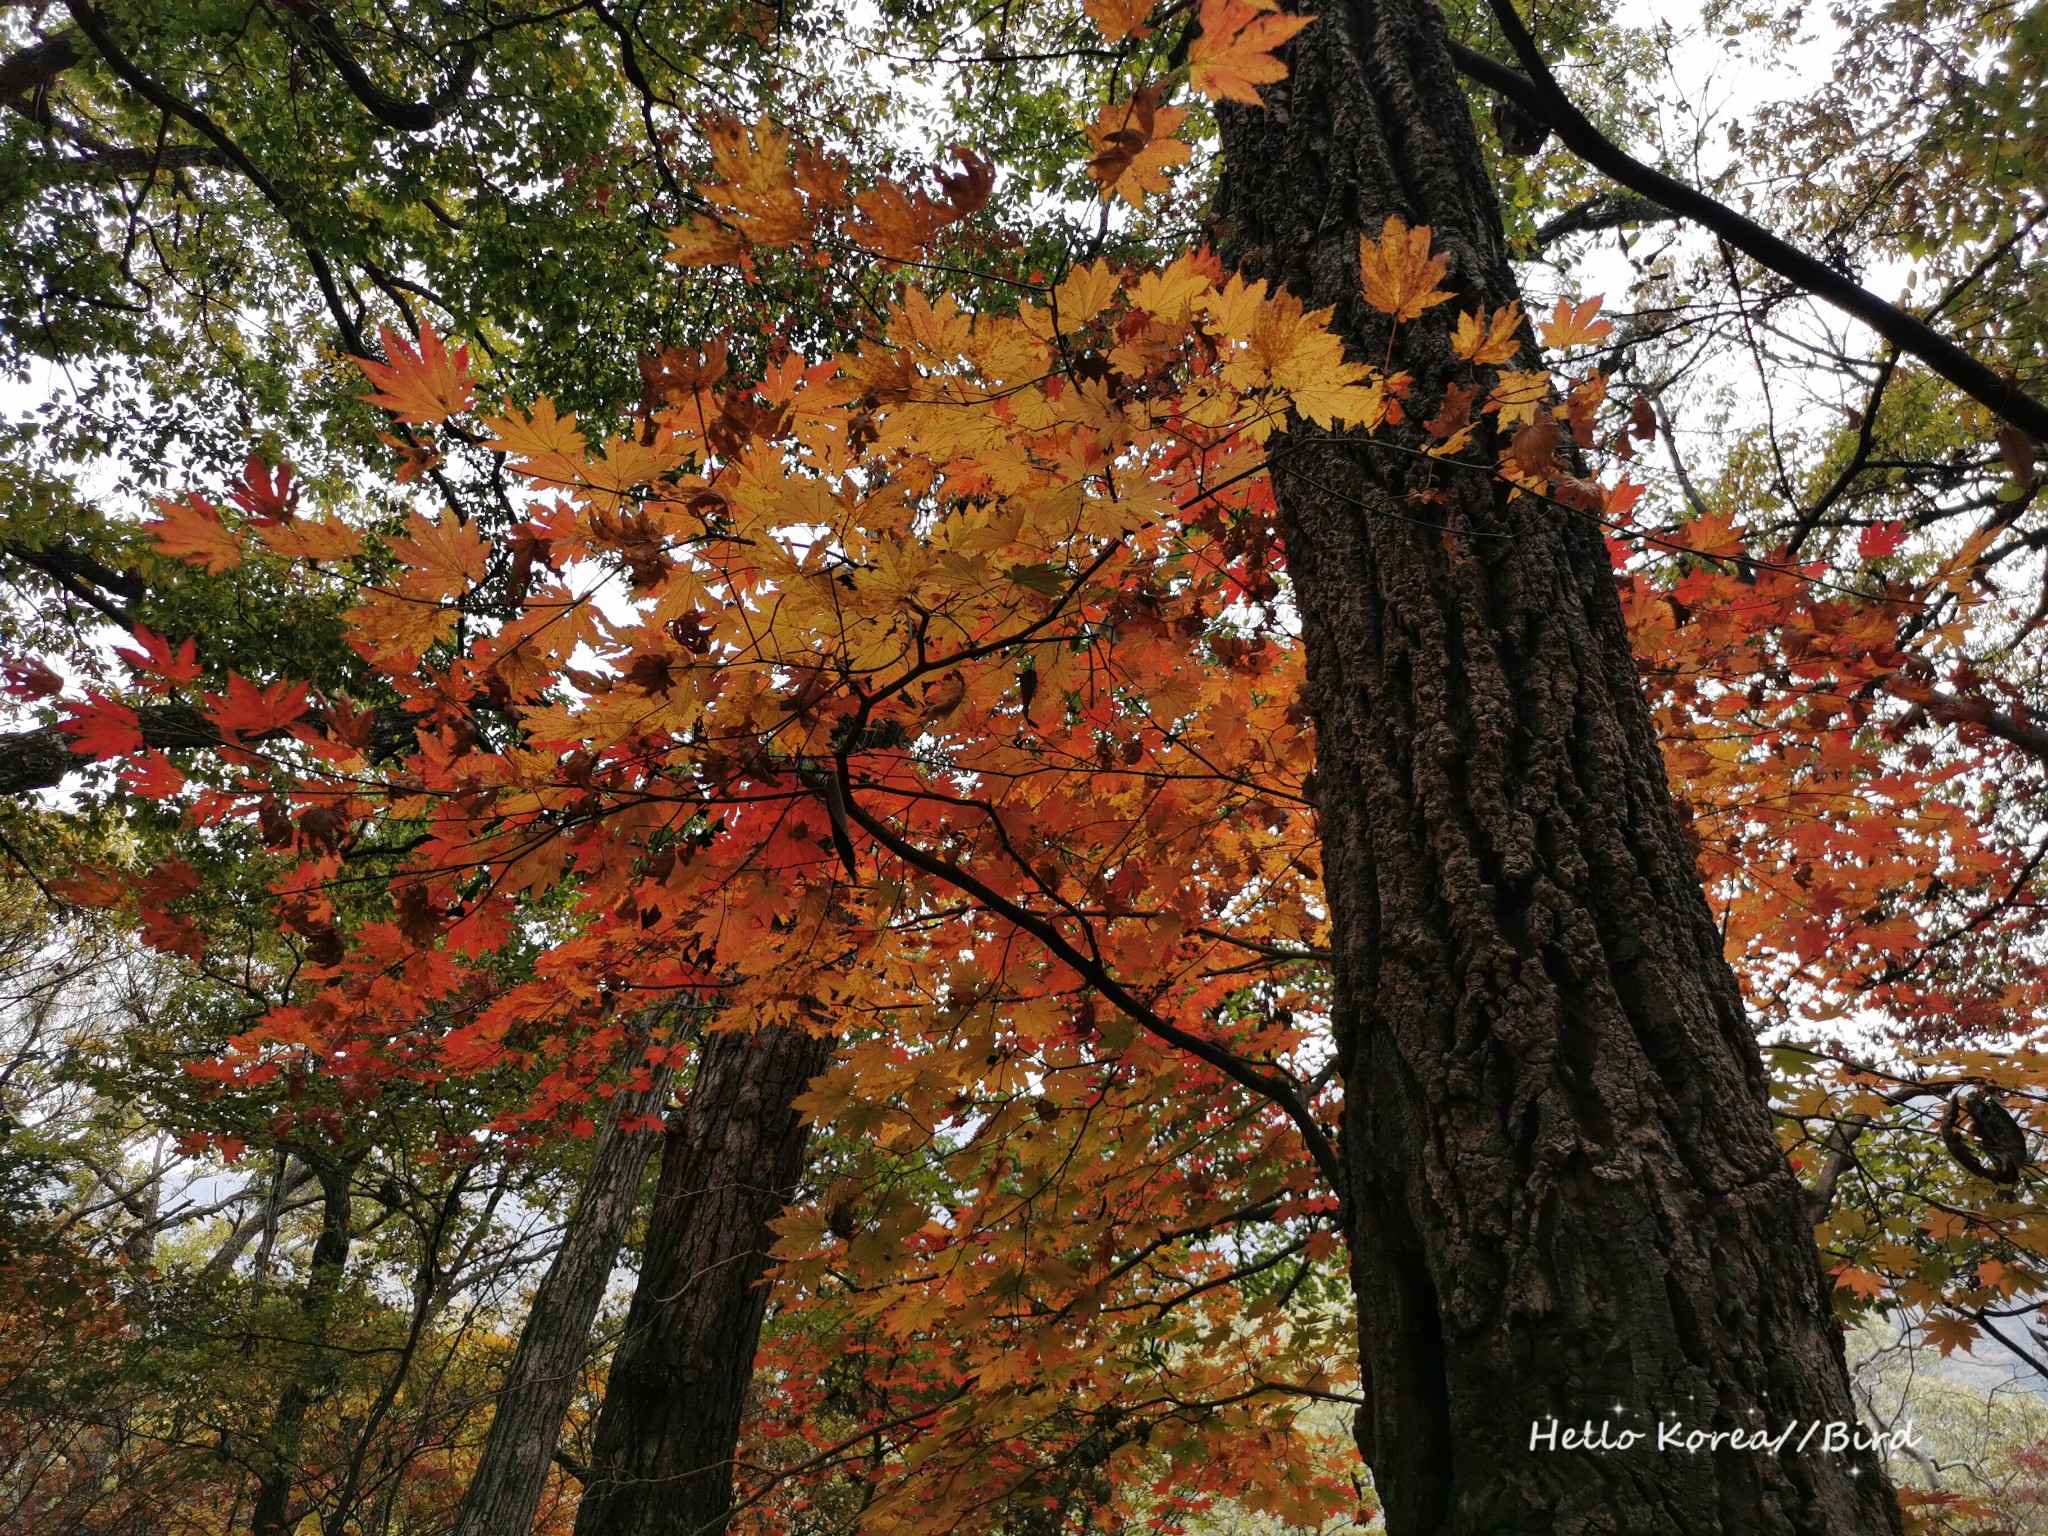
[910, 769]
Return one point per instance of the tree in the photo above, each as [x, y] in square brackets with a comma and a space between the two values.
[916, 606]
[1562, 1184]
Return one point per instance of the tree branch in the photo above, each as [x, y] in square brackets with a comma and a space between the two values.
[94, 26]
[40, 759]
[1608, 210]
[392, 111]
[1278, 1090]
[1539, 94]
[36, 66]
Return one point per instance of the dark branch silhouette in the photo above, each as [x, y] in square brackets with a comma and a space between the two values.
[1539, 94]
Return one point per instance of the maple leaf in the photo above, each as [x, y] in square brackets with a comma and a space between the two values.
[267, 495]
[152, 776]
[1518, 395]
[1491, 342]
[101, 889]
[157, 660]
[394, 630]
[1570, 327]
[705, 242]
[1880, 540]
[442, 557]
[327, 539]
[171, 934]
[1860, 1282]
[1949, 1333]
[2019, 452]
[31, 679]
[101, 728]
[756, 184]
[247, 711]
[1400, 276]
[1533, 450]
[191, 531]
[1119, 19]
[1232, 56]
[425, 384]
[1134, 145]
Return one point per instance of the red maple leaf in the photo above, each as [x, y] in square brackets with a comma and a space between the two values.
[30, 679]
[101, 728]
[1880, 540]
[267, 495]
[153, 776]
[156, 659]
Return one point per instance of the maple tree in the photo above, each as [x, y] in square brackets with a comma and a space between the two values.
[937, 696]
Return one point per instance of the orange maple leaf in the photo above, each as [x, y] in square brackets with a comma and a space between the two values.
[191, 531]
[1860, 1282]
[1233, 55]
[442, 557]
[424, 385]
[94, 888]
[1134, 144]
[1119, 19]
[1949, 1333]
[327, 538]
[247, 710]
[1400, 276]
[1490, 342]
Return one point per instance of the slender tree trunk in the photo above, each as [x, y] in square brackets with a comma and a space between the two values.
[662, 1464]
[512, 1473]
[1564, 1192]
[271, 1514]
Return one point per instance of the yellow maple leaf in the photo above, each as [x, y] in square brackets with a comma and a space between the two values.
[1491, 342]
[1519, 395]
[1233, 55]
[427, 384]
[1574, 327]
[1169, 296]
[191, 531]
[1119, 19]
[1400, 276]
[1083, 294]
[544, 445]
[1234, 309]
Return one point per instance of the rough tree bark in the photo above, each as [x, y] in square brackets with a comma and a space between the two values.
[271, 1513]
[662, 1461]
[511, 1475]
[1564, 1193]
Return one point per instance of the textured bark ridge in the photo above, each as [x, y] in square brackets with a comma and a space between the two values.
[1564, 1189]
[512, 1472]
[662, 1464]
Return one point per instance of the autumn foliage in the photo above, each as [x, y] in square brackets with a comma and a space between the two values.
[940, 696]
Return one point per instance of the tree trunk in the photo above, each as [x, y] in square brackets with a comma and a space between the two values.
[271, 1514]
[662, 1464]
[1565, 1200]
[511, 1475]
